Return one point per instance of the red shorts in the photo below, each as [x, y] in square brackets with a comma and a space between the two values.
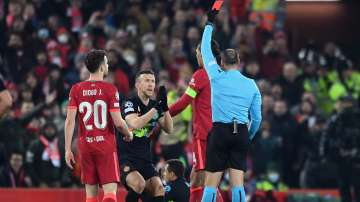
[99, 168]
[199, 154]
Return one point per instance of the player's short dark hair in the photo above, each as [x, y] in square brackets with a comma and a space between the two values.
[176, 166]
[94, 59]
[147, 71]
[215, 48]
[231, 57]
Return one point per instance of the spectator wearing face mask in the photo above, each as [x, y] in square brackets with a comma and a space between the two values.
[272, 181]
[13, 174]
[64, 46]
[44, 158]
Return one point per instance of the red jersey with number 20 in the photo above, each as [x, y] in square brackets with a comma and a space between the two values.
[94, 100]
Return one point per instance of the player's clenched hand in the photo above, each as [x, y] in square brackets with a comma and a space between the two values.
[69, 158]
[128, 137]
[162, 96]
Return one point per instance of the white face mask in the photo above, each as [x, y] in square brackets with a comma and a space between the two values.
[273, 177]
[56, 61]
[63, 38]
[132, 28]
[149, 47]
[130, 59]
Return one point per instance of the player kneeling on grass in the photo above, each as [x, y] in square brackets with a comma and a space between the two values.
[98, 105]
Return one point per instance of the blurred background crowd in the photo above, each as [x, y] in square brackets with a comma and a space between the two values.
[305, 92]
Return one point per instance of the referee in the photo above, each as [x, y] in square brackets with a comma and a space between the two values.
[234, 98]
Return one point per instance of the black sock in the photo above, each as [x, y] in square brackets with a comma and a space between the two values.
[132, 196]
[158, 199]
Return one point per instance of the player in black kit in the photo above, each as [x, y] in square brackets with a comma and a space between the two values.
[141, 113]
[176, 189]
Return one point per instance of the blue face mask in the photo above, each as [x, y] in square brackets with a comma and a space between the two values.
[43, 33]
[273, 177]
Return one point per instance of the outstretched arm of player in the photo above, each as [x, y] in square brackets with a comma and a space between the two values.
[137, 122]
[166, 121]
[180, 105]
[69, 131]
[121, 125]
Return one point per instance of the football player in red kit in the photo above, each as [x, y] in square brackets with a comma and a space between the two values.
[97, 105]
[198, 94]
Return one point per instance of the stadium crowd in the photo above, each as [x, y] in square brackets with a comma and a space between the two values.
[42, 54]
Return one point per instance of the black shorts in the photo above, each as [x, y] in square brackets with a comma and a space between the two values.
[145, 168]
[226, 149]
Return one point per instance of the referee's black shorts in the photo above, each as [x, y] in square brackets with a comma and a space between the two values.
[226, 149]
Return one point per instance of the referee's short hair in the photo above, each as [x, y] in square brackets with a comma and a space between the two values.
[176, 166]
[231, 57]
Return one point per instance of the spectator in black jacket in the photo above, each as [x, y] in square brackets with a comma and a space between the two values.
[344, 142]
[284, 128]
[291, 84]
[13, 174]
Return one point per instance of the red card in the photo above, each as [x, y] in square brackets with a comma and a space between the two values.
[217, 5]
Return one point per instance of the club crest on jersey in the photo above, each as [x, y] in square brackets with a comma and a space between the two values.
[117, 97]
[128, 104]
